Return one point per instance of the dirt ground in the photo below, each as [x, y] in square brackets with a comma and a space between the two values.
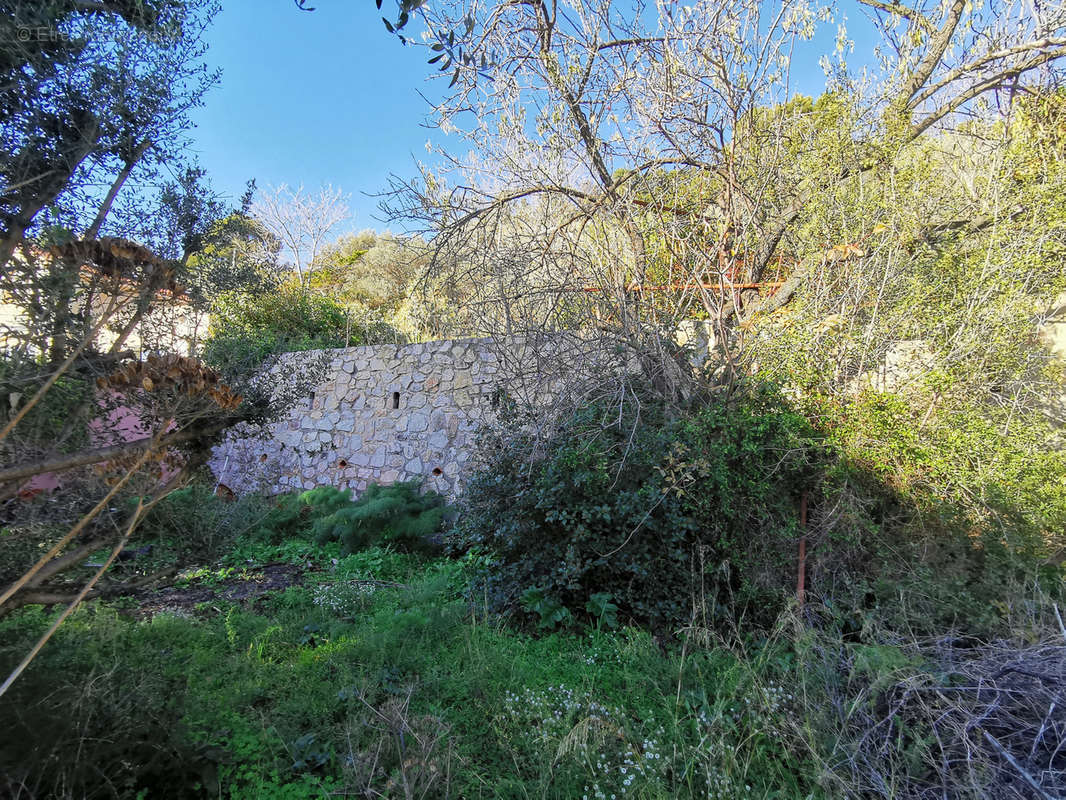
[268, 578]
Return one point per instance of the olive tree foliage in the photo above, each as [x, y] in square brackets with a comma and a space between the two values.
[623, 167]
[93, 92]
[95, 109]
[238, 252]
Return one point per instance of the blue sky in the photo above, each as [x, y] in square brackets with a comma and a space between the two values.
[312, 98]
[329, 97]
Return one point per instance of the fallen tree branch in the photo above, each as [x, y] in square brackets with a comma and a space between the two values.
[66, 560]
[50, 597]
[1018, 767]
[773, 302]
[69, 536]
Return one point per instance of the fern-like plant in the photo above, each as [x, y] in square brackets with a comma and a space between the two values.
[398, 514]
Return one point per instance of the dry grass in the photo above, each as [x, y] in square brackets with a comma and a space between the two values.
[407, 756]
[961, 720]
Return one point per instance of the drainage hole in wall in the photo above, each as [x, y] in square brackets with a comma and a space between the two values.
[395, 399]
[342, 464]
[263, 457]
[437, 471]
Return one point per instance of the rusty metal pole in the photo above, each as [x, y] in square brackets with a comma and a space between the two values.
[801, 578]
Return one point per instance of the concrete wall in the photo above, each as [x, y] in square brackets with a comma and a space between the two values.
[382, 413]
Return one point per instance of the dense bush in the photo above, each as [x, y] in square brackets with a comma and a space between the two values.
[695, 518]
[662, 514]
[947, 519]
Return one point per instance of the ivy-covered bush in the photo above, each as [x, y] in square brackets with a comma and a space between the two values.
[397, 515]
[660, 514]
[696, 517]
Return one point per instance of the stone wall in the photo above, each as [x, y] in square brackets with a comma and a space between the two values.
[386, 413]
[382, 413]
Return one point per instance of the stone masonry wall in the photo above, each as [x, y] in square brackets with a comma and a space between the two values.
[388, 413]
[382, 413]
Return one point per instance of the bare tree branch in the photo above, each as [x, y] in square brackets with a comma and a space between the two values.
[109, 453]
[903, 11]
[978, 89]
[935, 52]
[301, 221]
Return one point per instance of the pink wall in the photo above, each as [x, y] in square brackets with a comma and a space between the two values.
[119, 424]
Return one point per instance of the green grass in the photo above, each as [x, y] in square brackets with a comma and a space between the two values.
[381, 674]
[403, 689]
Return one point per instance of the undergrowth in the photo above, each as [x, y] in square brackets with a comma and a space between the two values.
[379, 668]
[398, 684]
[381, 674]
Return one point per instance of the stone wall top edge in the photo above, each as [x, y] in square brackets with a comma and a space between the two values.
[367, 349]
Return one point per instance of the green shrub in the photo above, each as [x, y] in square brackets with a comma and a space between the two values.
[246, 329]
[943, 518]
[317, 524]
[201, 524]
[397, 515]
[70, 396]
[697, 515]
[654, 514]
[380, 563]
[251, 528]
